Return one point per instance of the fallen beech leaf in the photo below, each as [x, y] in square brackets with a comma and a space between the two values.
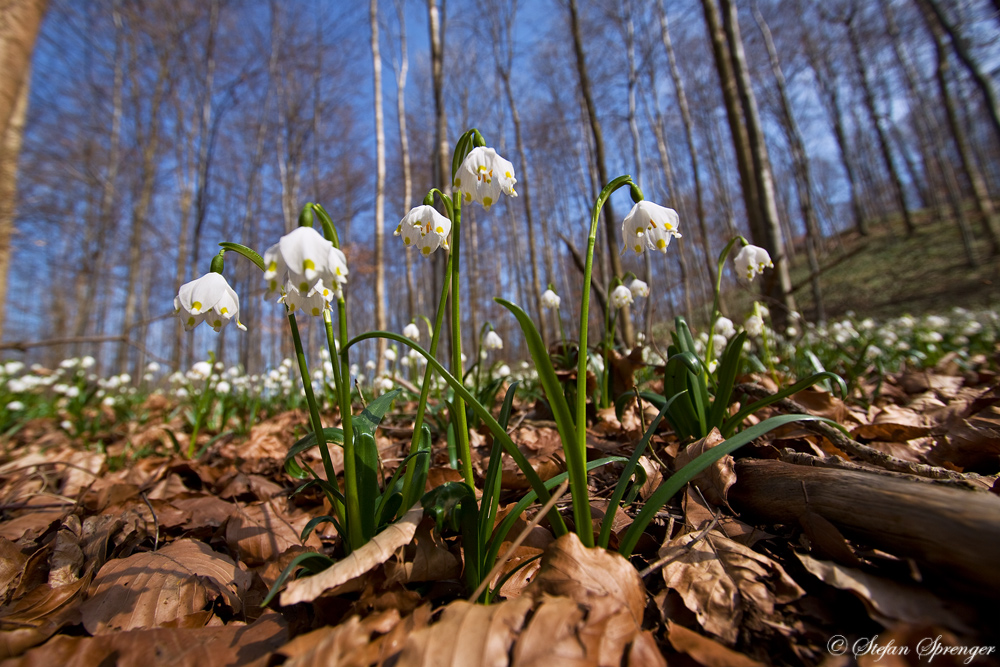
[426, 559]
[11, 563]
[887, 600]
[66, 561]
[717, 478]
[259, 533]
[207, 512]
[148, 590]
[374, 553]
[718, 578]
[552, 636]
[227, 646]
[644, 652]
[705, 651]
[38, 615]
[515, 585]
[346, 644]
[653, 477]
[467, 634]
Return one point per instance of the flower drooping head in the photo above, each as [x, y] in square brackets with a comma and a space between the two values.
[492, 341]
[303, 258]
[483, 176]
[638, 288]
[209, 298]
[412, 331]
[649, 225]
[621, 296]
[752, 260]
[550, 300]
[424, 227]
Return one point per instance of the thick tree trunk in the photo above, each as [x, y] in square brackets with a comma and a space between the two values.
[380, 319]
[404, 152]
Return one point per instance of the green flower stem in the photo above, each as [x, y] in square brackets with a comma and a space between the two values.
[461, 424]
[578, 461]
[710, 345]
[354, 532]
[425, 388]
[499, 433]
[340, 386]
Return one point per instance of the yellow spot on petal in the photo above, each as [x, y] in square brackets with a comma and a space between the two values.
[668, 226]
[638, 248]
[273, 285]
[315, 311]
[273, 266]
[303, 287]
[440, 230]
[190, 322]
[224, 310]
[426, 250]
[508, 174]
[458, 182]
[406, 240]
[487, 202]
[196, 307]
[661, 244]
[308, 264]
[291, 308]
[217, 324]
[338, 271]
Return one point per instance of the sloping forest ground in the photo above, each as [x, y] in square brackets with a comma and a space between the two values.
[806, 547]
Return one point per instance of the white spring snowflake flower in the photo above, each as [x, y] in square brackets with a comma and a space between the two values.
[301, 260]
[390, 354]
[424, 227]
[483, 176]
[412, 331]
[724, 326]
[621, 296]
[638, 288]
[752, 260]
[649, 225]
[754, 325]
[492, 341]
[550, 300]
[208, 299]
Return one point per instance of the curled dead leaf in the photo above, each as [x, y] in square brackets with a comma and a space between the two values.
[716, 480]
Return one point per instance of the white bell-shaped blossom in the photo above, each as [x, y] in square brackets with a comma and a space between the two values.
[303, 258]
[550, 300]
[754, 325]
[752, 260]
[621, 296]
[412, 331]
[209, 299]
[649, 225]
[492, 341]
[638, 288]
[312, 302]
[390, 354]
[725, 327]
[483, 176]
[425, 228]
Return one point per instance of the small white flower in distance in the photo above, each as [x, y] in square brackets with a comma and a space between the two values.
[15, 406]
[390, 354]
[621, 296]
[209, 299]
[483, 176]
[550, 300]
[15, 367]
[383, 384]
[412, 331]
[503, 371]
[87, 362]
[223, 387]
[754, 325]
[370, 365]
[424, 227]
[638, 289]
[492, 341]
[752, 260]
[724, 326]
[718, 344]
[649, 225]
[303, 258]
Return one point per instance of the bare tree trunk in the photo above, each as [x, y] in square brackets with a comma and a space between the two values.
[803, 180]
[441, 161]
[404, 149]
[380, 319]
[868, 95]
[984, 203]
[938, 16]
[602, 172]
[19, 24]
[682, 102]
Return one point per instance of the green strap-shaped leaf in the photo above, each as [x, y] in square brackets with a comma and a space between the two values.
[313, 562]
[728, 369]
[730, 425]
[370, 417]
[677, 481]
[366, 455]
[332, 435]
[421, 466]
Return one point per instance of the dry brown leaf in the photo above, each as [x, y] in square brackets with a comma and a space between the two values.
[552, 636]
[716, 479]
[467, 634]
[654, 477]
[207, 511]
[11, 563]
[374, 553]
[147, 590]
[259, 533]
[603, 582]
[38, 615]
[347, 644]
[705, 651]
[644, 652]
[887, 601]
[66, 561]
[718, 578]
[426, 559]
[228, 646]
[524, 574]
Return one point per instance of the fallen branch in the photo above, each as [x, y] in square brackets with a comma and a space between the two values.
[950, 531]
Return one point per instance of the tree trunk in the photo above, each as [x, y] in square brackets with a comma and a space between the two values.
[800, 161]
[18, 31]
[380, 319]
[441, 161]
[868, 95]
[404, 149]
[602, 172]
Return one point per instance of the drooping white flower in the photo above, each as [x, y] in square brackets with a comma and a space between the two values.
[719, 343]
[412, 331]
[301, 259]
[503, 371]
[754, 325]
[424, 227]
[724, 327]
[15, 406]
[492, 341]
[752, 260]
[638, 289]
[483, 176]
[621, 296]
[210, 299]
[649, 225]
[312, 302]
[550, 300]
[390, 354]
